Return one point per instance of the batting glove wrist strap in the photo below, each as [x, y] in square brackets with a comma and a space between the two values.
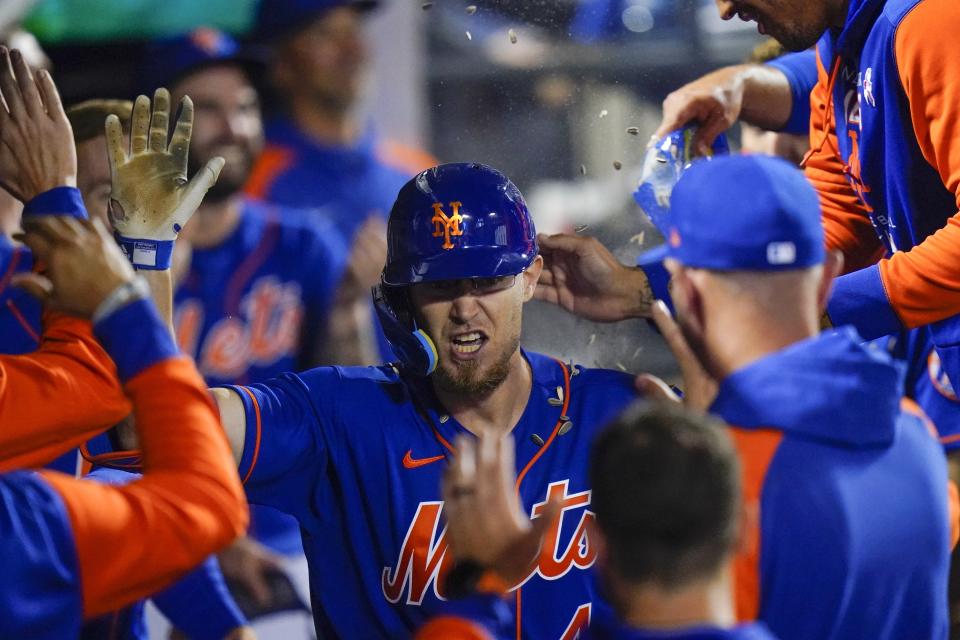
[59, 201]
[143, 253]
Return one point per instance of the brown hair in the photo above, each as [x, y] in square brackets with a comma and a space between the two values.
[87, 117]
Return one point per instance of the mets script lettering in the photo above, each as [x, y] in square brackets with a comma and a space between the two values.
[423, 560]
[447, 226]
[267, 329]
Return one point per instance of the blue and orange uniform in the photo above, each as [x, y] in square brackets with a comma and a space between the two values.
[198, 604]
[66, 542]
[357, 455]
[885, 160]
[487, 616]
[820, 467]
[255, 306]
[51, 364]
[927, 381]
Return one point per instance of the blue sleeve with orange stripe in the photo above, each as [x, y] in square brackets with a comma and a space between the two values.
[285, 452]
[801, 72]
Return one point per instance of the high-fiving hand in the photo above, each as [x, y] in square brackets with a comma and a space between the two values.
[36, 142]
[151, 199]
[485, 521]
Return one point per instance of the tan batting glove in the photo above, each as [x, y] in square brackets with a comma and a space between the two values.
[151, 198]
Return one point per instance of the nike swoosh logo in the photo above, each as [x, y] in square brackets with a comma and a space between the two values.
[410, 463]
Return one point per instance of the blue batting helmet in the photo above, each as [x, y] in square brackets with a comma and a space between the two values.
[451, 222]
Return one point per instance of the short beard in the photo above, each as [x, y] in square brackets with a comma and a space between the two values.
[226, 186]
[464, 382]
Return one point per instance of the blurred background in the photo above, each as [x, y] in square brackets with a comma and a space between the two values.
[543, 90]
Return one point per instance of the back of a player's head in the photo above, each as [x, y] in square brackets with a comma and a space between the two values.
[87, 118]
[666, 492]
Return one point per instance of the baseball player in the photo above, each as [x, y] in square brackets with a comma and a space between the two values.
[357, 454]
[60, 371]
[850, 486]
[883, 156]
[666, 492]
[927, 381]
[199, 604]
[67, 544]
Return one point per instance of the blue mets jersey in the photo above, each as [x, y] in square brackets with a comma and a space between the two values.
[255, 306]
[357, 455]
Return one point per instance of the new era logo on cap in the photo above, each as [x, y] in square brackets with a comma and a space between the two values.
[781, 253]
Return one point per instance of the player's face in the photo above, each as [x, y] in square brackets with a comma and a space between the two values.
[476, 328]
[325, 62]
[797, 24]
[226, 123]
[93, 177]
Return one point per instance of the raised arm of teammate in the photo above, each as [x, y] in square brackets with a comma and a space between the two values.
[189, 503]
[65, 392]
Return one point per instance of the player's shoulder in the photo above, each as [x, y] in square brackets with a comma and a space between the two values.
[591, 381]
[351, 382]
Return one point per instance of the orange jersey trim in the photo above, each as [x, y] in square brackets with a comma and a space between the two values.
[756, 448]
[259, 424]
[452, 628]
[404, 158]
[272, 162]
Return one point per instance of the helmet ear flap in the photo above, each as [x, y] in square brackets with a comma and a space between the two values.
[414, 348]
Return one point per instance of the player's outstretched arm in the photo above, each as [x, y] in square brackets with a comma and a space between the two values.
[189, 503]
[582, 276]
[755, 93]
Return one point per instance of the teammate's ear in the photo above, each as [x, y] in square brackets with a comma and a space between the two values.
[530, 278]
[832, 267]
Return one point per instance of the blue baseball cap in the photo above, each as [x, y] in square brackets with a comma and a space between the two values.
[277, 19]
[168, 60]
[747, 212]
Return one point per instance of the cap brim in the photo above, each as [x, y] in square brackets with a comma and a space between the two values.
[653, 256]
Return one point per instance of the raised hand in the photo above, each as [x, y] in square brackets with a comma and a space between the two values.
[83, 263]
[582, 276]
[151, 198]
[36, 142]
[485, 521]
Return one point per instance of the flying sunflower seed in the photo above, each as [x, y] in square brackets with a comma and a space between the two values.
[565, 427]
[426, 6]
[604, 113]
[634, 131]
[471, 9]
[617, 165]
[444, 418]
[581, 228]
[469, 36]
[555, 402]
[621, 367]
[583, 169]
[513, 36]
[537, 440]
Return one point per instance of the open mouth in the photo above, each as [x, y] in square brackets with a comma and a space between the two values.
[467, 344]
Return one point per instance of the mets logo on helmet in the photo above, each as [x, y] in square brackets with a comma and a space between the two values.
[447, 226]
